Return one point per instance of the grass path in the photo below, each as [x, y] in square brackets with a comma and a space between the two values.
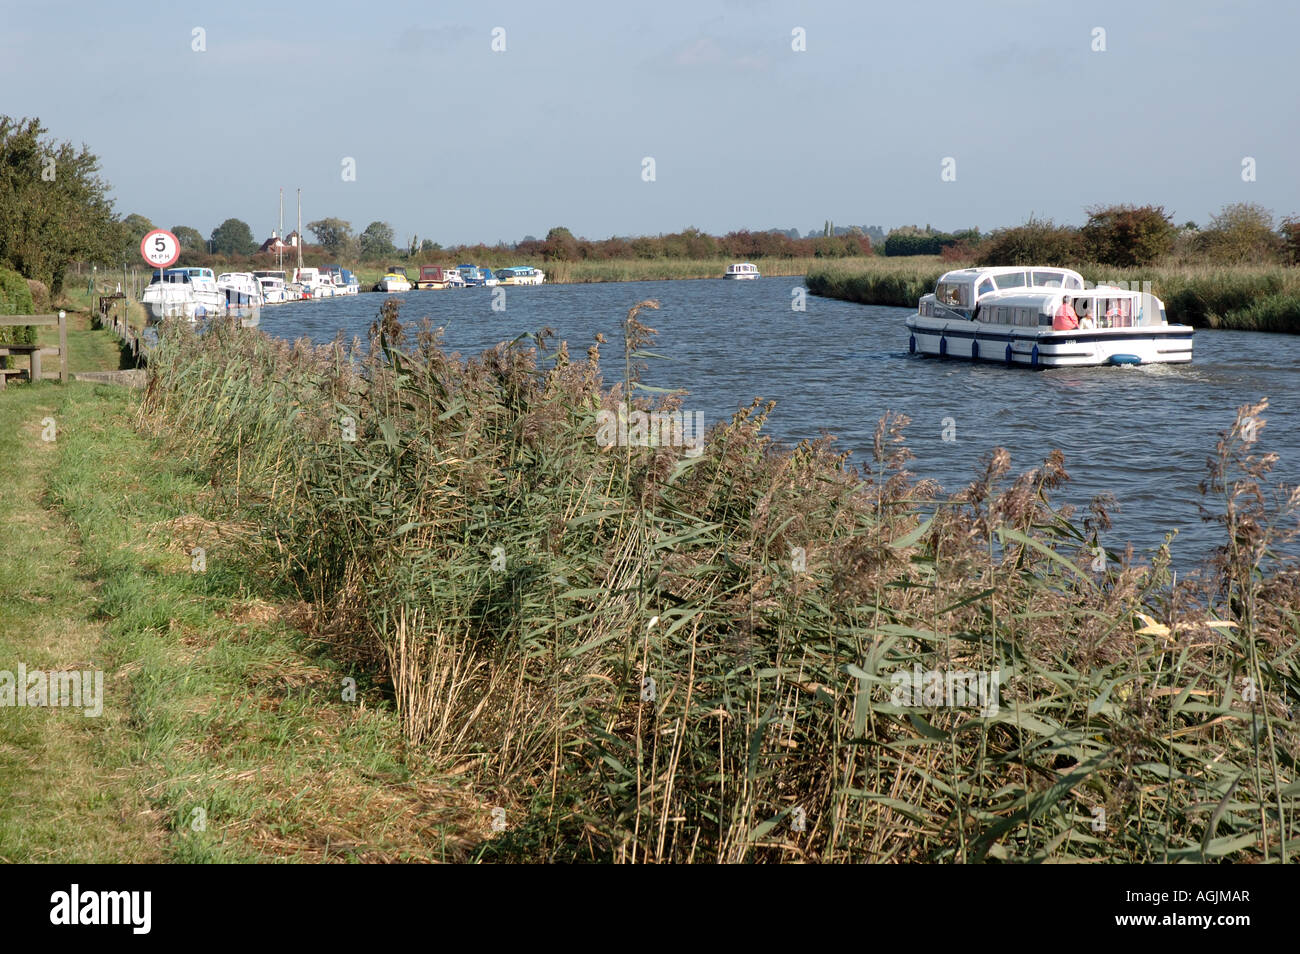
[225, 735]
[58, 802]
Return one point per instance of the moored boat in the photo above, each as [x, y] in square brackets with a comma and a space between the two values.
[432, 276]
[273, 290]
[242, 293]
[394, 280]
[520, 275]
[1044, 318]
[189, 293]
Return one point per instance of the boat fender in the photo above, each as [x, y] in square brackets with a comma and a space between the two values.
[911, 344]
[1009, 358]
[975, 350]
[1033, 357]
[943, 347]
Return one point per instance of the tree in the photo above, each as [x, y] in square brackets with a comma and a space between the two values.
[333, 235]
[1037, 242]
[54, 207]
[1291, 237]
[560, 245]
[1241, 232]
[1126, 235]
[377, 240]
[233, 237]
[134, 228]
[191, 239]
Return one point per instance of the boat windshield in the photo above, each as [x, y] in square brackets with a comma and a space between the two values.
[1015, 280]
[953, 294]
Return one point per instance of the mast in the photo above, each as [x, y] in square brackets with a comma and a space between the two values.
[299, 243]
[280, 245]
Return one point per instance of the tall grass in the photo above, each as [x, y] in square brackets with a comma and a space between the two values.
[1246, 297]
[649, 656]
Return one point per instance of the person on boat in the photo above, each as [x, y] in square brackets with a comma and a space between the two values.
[1086, 320]
[1112, 314]
[1065, 319]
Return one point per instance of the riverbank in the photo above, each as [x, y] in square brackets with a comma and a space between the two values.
[1246, 298]
[631, 270]
[633, 653]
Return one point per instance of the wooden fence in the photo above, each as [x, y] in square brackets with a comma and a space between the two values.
[111, 312]
[34, 352]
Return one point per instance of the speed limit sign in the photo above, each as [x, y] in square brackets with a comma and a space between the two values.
[160, 248]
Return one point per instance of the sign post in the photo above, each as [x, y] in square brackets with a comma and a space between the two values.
[160, 249]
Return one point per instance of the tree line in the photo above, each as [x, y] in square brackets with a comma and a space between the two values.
[1241, 233]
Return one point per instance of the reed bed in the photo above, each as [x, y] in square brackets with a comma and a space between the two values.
[1242, 297]
[649, 656]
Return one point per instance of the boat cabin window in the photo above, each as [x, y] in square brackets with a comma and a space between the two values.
[986, 286]
[1048, 279]
[1016, 280]
[953, 294]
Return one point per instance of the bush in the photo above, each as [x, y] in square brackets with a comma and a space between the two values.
[15, 299]
[1037, 242]
[1242, 233]
[1127, 235]
[1291, 239]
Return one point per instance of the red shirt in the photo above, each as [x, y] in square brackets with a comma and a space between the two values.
[1065, 318]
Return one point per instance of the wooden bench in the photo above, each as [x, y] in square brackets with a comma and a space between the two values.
[35, 352]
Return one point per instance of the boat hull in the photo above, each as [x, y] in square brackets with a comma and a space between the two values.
[1046, 348]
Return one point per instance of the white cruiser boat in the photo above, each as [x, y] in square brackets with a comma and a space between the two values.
[1044, 318]
[189, 293]
[313, 282]
[520, 275]
[741, 270]
[273, 290]
[243, 294]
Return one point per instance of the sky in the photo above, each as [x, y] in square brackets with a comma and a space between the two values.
[455, 141]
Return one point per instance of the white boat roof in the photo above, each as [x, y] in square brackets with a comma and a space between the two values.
[974, 274]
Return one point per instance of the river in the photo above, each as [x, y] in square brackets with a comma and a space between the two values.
[1142, 434]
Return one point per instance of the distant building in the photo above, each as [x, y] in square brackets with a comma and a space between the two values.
[275, 243]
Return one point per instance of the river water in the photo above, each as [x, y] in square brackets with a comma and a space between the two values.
[1142, 434]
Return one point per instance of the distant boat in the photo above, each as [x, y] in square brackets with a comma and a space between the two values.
[473, 275]
[521, 275]
[243, 294]
[314, 282]
[273, 290]
[394, 280]
[741, 270]
[189, 293]
[432, 276]
[340, 280]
